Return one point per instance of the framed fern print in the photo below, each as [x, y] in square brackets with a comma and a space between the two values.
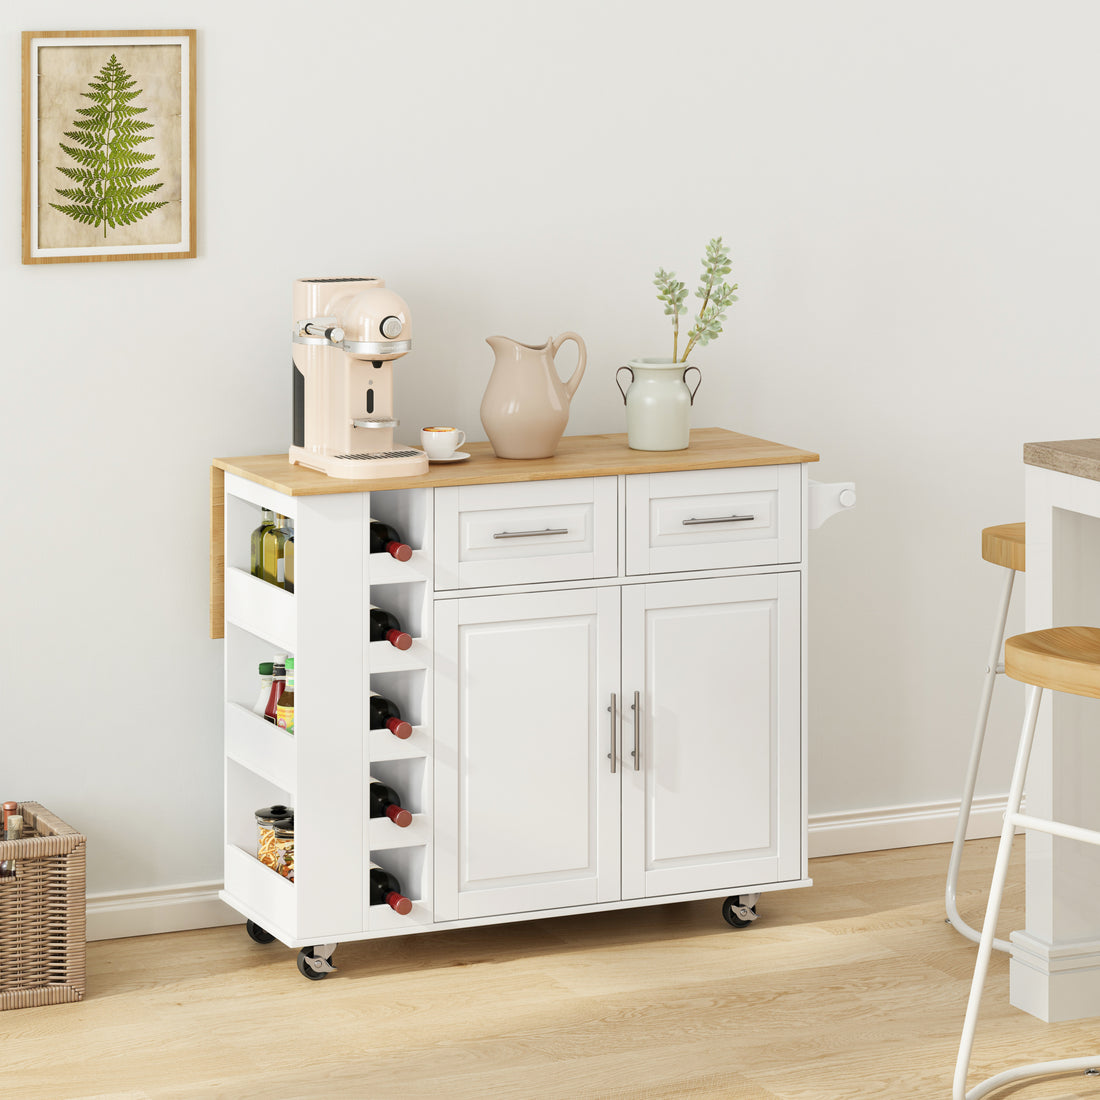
[108, 145]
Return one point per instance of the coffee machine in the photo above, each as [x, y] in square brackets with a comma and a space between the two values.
[347, 334]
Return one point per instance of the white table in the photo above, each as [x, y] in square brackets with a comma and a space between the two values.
[1055, 969]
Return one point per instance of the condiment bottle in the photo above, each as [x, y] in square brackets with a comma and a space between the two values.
[278, 682]
[284, 714]
[13, 830]
[267, 669]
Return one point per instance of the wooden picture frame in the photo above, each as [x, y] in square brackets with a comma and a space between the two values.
[108, 145]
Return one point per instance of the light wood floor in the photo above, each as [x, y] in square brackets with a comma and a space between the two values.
[853, 988]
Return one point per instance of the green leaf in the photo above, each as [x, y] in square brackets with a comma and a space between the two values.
[105, 139]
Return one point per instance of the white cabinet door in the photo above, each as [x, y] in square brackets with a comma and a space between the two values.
[527, 807]
[712, 799]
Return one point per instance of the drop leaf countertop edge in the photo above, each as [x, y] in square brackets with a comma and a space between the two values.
[576, 456]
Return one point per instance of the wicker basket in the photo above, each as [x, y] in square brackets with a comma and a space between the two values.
[42, 942]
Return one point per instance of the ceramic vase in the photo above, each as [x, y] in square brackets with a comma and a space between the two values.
[658, 404]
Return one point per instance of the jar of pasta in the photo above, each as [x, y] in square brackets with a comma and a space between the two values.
[266, 821]
[284, 848]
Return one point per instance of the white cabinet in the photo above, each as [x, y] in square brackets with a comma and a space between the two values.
[606, 687]
[712, 779]
[576, 737]
[527, 809]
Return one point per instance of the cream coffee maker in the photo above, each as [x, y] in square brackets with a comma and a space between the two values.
[347, 334]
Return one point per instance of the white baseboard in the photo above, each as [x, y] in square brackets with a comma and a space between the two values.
[197, 905]
[164, 909]
[902, 826]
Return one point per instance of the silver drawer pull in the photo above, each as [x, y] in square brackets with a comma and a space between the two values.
[530, 534]
[718, 519]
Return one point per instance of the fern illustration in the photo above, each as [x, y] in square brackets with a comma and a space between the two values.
[105, 138]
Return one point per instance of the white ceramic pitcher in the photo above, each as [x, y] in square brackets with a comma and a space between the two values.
[526, 405]
[658, 404]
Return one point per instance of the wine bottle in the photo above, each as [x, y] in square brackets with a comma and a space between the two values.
[384, 627]
[266, 524]
[385, 540]
[288, 562]
[284, 710]
[385, 802]
[386, 890]
[274, 542]
[386, 715]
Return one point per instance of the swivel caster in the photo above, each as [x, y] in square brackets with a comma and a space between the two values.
[255, 932]
[315, 963]
[740, 910]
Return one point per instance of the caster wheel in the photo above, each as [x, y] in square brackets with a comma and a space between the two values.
[305, 958]
[260, 935]
[731, 909]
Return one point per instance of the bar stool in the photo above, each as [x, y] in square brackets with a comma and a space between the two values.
[1004, 546]
[1067, 659]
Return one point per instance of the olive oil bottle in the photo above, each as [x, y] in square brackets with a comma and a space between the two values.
[266, 524]
[274, 549]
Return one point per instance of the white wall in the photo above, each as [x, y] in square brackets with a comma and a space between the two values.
[910, 195]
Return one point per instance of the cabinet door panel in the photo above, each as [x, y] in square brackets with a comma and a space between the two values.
[526, 805]
[716, 799]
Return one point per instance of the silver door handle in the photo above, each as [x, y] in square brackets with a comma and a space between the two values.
[530, 534]
[614, 709]
[637, 753]
[717, 519]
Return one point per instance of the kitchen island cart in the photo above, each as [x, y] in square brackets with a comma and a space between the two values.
[606, 685]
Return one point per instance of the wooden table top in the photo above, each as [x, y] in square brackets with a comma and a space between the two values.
[1080, 457]
[577, 456]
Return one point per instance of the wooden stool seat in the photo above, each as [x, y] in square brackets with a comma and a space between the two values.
[1004, 545]
[1063, 658]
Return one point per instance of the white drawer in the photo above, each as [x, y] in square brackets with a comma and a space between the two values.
[713, 519]
[525, 532]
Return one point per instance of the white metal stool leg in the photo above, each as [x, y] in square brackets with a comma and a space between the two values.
[992, 668]
[1013, 819]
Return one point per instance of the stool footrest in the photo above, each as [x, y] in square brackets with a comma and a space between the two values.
[1034, 1069]
[1056, 828]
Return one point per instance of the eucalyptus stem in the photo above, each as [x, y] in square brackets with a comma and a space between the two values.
[715, 294]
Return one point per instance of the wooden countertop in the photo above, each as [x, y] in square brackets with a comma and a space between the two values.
[577, 456]
[1080, 457]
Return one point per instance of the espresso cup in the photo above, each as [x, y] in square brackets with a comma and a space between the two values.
[440, 443]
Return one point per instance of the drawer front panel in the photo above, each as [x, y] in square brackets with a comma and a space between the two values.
[489, 535]
[713, 519]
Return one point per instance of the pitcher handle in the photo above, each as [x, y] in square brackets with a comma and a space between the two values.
[582, 358]
[691, 391]
[619, 384]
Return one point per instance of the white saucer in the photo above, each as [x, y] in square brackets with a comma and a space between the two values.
[458, 456]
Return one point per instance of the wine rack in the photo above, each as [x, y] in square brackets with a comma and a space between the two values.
[605, 687]
[404, 676]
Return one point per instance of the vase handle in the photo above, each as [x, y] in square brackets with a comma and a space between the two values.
[619, 384]
[693, 392]
[582, 356]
